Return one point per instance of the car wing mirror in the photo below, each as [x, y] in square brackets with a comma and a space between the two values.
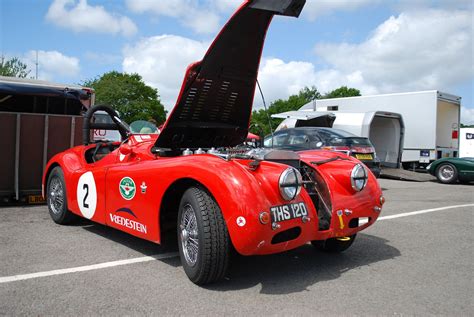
[125, 149]
[319, 144]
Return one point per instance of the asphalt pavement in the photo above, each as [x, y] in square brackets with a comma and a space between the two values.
[418, 264]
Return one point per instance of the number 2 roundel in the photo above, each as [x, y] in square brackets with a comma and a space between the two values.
[87, 195]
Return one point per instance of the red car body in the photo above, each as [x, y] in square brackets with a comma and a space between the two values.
[137, 189]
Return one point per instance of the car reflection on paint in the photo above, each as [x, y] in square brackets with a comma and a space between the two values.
[310, 138]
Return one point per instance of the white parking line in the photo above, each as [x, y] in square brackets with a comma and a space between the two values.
[413, 213]
[104, 265]
[98, 266]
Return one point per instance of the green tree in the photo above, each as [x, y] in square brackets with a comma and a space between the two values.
[260, 121]
[13, 68]
[342, 92]
[129, 95]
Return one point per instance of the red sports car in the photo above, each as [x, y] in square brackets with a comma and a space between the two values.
[185, 182]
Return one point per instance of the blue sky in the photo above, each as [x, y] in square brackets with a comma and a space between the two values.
[377, 46]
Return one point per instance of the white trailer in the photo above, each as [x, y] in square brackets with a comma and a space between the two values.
[431, 121]
[466, 142]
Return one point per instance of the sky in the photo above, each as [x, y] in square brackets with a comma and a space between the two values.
[376, 46]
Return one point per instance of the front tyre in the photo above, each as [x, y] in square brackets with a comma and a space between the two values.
[57, 199]
[334, 245]
[203, 239]
[447, 173]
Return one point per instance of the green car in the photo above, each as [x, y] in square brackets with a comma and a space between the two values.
[450, 170]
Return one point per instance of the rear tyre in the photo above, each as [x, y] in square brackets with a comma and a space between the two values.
[334, 245]
[57, 199]
[447, 173]
[203, 239]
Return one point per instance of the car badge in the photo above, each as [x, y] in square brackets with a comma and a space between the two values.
[143, 187]
[127, 188]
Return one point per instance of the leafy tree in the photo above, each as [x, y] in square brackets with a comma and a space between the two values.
[13, 68]
[129, 95]
[342, 92]
[260, 123]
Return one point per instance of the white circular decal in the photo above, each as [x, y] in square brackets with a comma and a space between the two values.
[87, 195]
[241, 221]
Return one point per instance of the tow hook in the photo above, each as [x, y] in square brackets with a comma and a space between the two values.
[344, 238]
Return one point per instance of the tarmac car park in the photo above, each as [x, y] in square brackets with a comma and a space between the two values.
[416, 260]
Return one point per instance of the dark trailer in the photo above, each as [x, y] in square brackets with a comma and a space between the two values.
[37, 120]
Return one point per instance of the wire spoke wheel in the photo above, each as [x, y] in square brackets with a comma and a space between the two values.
[189, 235]
[203, 239]
[446, 172]
[56, 195]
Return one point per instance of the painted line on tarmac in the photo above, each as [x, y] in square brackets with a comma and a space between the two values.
[104, 265]
[419, 212]
[98, 266]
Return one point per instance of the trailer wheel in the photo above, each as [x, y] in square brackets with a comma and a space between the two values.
[447, 173]
[334, 245]
[57, 199]
[203, 239]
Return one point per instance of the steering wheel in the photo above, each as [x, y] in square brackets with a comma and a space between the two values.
[117, 124]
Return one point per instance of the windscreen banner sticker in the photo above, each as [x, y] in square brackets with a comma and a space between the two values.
[127, 188]
[120, 219]
[469, 136]
[87, 195]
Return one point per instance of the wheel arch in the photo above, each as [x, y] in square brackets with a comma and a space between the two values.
[168, 213]
[49, 169]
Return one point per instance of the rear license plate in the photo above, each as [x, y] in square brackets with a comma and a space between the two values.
[36, 199]
[288, 212]
[364, 156]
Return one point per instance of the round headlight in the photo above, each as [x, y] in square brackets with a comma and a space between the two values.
[358, 177]
[290, 183]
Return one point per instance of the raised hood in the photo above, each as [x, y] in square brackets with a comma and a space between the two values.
[215, 102]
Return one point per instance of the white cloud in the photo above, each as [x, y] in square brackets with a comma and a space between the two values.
[81, 17]
[416, 50]
[467, 115]
[162, 61]
[280, 80]
[52, 65]
[227, 5]
[202, 19]
[314, 9]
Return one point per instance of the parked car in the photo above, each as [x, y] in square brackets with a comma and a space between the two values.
[310, 138]
[452, 169]
[182, 184]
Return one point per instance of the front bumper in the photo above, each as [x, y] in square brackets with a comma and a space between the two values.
[294, 233]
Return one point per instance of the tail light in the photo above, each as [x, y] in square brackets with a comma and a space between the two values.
[337, 148]
[363, 149]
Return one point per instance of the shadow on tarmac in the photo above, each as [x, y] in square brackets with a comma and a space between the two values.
[284, 273]
[294, 271]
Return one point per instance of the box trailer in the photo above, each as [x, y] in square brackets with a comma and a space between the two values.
[38, 119]
[431, 121]
[466, 142]
[384, 129]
